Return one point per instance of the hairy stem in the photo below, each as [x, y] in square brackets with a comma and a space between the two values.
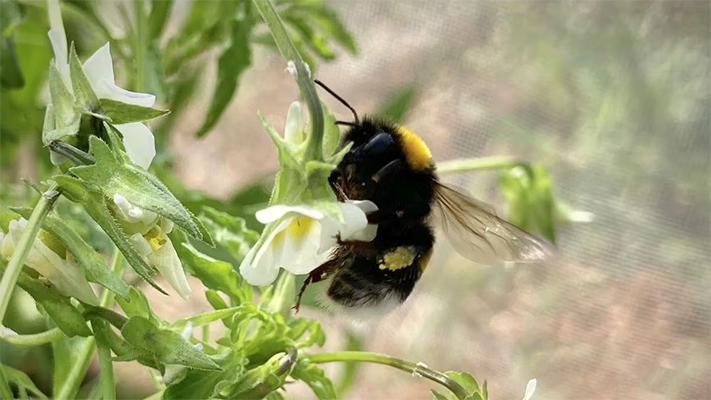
[14, 267]
[76, 374]
[410, 367]
[35, 339]
[314, 146]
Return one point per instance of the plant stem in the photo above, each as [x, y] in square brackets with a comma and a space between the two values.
[375, 358]
[139, 11]
[314, 146]
[35, 339]
[78, 371]
[14, 267]
[106, 366]
[477, 164]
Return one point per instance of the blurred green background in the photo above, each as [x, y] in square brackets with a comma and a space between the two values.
[613, 98]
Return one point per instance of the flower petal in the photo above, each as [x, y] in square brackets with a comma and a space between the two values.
[300, 248]
[260, 267]
[99, 69]
[139, 142]
[59, 46]
[166, 261]
[273, 213]
[66, 276]
[530, 388]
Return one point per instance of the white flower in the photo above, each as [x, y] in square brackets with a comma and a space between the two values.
[301, 238]
[65, 275]
[530, 388]
[151, 241]
[99, 69]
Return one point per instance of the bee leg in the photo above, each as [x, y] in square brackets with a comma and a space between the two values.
[390, 170]
[316, 275]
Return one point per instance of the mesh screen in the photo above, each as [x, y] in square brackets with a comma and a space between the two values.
[613, 98]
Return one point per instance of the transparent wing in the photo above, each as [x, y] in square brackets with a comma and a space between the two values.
[478, 234]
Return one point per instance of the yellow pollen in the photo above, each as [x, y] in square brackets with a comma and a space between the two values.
[399, 258]
[299, 227]
[417, 153]
[155, 238]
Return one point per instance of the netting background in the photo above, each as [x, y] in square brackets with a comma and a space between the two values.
[614, 99]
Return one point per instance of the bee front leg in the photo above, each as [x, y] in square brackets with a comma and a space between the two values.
[316, 275]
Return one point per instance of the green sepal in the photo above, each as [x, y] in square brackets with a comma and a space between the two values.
[84, 96]
[214, 274]
[139, 187]
[94, 204]
[331, 133]
[85, 256]
[61, 118]
[167, 346]
[123, 113]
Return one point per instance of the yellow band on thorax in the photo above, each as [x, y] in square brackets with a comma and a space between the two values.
[417, 154]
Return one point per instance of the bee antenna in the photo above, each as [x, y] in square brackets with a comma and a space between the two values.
[339, 98]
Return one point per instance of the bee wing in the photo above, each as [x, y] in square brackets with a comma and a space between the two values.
[476, 233]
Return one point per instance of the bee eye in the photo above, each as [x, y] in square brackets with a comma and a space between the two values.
[377, 145]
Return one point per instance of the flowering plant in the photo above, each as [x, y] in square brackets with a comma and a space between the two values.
[98, 136]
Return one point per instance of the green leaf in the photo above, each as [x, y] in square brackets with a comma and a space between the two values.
[93, 263]
[57, 306]
[215, 274]
[315, 40]
[94, 204]
[111, 316]
[229, 231]
[159, 14]
[313, 376]
[84, 94]
[527, 190]
[169, 347]
[199, 384]
[139, 187]
[232, 62]
[298, 327]
[12, 13]
[205, 318]
[21, 381]
[439, 396]
[11, 77]
[124, 113]
[137, 305]
[331, 133]
[468, 383]
[399, 103]
[65, 353]
[329, 23]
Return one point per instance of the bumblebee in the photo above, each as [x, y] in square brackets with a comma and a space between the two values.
[392, 167]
